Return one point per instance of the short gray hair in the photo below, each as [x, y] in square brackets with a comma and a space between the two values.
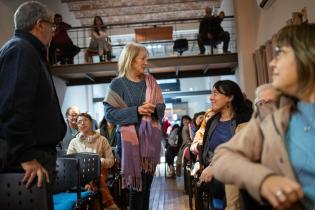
[28, 13]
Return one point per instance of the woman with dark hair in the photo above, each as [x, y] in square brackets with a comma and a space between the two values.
[100, 42]
[231, 114]
[197, 120]
[278, 143]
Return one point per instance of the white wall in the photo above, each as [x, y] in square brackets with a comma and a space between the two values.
[6, 24]
[8, 7]
[246, 19]
[80, 96]
[278, 14]
[255, 26]
[61, 87]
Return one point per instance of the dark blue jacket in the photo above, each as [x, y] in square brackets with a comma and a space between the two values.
[30, 118]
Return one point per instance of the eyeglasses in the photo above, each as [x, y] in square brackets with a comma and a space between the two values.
[278, 51]
[73, 115]
[263, 101]
[82, 121]
[52, 25]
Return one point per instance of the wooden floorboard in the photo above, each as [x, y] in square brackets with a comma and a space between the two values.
[167, 194]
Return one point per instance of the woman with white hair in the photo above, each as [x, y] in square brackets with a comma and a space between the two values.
[134, 101]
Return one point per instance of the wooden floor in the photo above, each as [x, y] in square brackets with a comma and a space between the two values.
[167, 194]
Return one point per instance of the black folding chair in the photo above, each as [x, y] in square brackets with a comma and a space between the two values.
[74, 171]
[15, 196]
[180, 46]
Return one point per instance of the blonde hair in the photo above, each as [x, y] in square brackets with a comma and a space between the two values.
[127, 56]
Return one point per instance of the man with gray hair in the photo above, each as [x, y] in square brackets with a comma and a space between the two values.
[31, 122]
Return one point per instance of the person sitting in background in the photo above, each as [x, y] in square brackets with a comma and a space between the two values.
[184, 135]
[231, 114]
[100, 42]
[90, 141]
[197, 121]
[193, 128]
[281, 134]
[266, 93]
[72, 114]
[61, 47]
[204, 36]
[172, 147]
[108, 130]
[218, 34]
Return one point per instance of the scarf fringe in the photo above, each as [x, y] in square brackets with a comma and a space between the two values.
[148, 165]
[132, 182]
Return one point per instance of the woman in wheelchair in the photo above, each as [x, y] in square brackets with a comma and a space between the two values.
[90, 141]
[229, 113]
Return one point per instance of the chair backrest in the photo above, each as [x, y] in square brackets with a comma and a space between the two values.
[67, 174]
[90, 166]
[180, 46]
[15, 196]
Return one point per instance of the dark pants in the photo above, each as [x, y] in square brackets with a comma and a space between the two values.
[203, 40]
[170, 154]
[140, 200]
[63, 53]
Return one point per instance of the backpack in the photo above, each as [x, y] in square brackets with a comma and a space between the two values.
[173, 138]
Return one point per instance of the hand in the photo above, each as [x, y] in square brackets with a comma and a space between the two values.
[88, 187]
[206, 174]
[146, 109]
[210, 113]
[281, 192]
[194, 149]
[32, 169]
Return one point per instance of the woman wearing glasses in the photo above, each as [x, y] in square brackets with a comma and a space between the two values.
[88, 140]
[272, 158]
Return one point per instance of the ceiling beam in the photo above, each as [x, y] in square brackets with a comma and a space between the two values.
[168, 75]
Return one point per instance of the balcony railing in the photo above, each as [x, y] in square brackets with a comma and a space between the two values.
[123, 33]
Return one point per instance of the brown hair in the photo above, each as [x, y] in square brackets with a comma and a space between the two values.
[301, 39]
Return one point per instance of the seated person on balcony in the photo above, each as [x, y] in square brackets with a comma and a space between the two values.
[90, 141]
[211, 31]
[100, 42]
[61, 46]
